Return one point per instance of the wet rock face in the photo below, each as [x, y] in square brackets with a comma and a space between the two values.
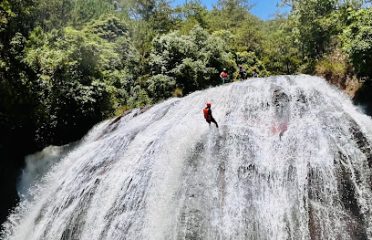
[8, 178]
[363, 97]
[166, 174]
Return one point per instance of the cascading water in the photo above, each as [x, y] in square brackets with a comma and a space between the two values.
[292, 159]
[39, 163]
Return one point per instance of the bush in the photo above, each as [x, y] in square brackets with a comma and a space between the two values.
[161, 87]
[333, 67]
[82, 76]
[357, 40]
[193, 61]
[251, 64]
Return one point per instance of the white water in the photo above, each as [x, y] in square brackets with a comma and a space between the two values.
[165, 174]
[37, 165]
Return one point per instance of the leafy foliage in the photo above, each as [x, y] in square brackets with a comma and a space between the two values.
[64, 65]
[192, 60]
[67, 64]
[357, 40]
[251, 63]
[84, 74]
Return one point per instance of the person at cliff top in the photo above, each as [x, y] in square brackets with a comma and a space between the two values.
[224, 76]
[242, 72]
[208, 114]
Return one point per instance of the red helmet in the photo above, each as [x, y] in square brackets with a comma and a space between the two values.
[209, 104]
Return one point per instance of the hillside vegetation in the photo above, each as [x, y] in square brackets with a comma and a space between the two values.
[67, 64]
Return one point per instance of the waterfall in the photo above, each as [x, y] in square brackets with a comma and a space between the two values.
[292, 159]
[37, 165]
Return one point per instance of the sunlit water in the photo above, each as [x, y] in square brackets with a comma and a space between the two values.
[292, 159]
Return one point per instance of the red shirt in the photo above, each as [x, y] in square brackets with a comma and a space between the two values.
[224, 75]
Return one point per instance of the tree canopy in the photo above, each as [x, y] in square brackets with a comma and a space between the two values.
[65, 65]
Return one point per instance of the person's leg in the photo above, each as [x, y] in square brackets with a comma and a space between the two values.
[209, 122]
[214, 121]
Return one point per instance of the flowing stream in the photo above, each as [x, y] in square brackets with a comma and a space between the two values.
[292, 159]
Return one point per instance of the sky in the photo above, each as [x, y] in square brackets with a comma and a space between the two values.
[264, 9]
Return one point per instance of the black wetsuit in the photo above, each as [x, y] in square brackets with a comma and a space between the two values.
[210, 118]
[242, 73]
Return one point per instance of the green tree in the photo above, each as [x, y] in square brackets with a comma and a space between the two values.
[82, 75]
[281, 49]
[233, 16]
[309, 17]
[83, 11]
[192, 60]
[251, 63]
[228, 14]
[160, 86]
[191, 14]
[357, 40]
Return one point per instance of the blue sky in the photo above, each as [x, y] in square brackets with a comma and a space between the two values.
[264, 9]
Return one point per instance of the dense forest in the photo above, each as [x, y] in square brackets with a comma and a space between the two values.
[67, 64]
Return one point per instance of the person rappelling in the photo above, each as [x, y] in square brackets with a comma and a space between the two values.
[208, 114]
